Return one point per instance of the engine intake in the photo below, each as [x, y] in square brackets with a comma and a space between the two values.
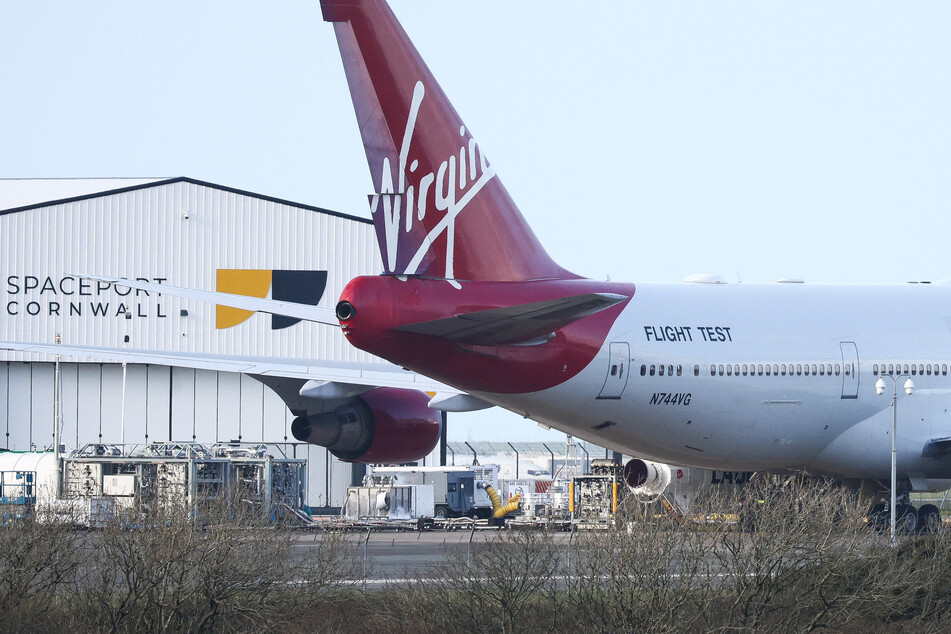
[647, 478]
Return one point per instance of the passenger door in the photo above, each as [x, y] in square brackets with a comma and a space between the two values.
[850, 370]
[618, 369]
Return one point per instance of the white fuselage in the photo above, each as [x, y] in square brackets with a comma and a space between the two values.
[766, 377]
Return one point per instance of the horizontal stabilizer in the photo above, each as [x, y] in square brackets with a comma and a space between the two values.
[304, 312]
[520, 324]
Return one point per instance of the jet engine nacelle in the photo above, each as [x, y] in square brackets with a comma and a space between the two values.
[649, 480]
[384, 425]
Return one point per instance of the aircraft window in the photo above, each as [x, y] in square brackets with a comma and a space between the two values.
[798, 369]
[914, 369]
[848, 369]
[614, 370]
[660, 371]
[813, 369]
[721, 369]
[696, 370]
[822, 370]
[745, 369]
[921, 368]
[736, 369]
[729, 370]
[837, 369]
[891, 369]
[759, 370]
[670, 370]
[713, 370]
[906, 368]
[806, 369]
[829, 369]
[782, 369]
[653, 370]
[944, 369]
[680, 370]
[875, 370]
[643, 370]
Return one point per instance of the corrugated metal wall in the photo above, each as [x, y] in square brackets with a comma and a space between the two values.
[144, 233]
[161, 404]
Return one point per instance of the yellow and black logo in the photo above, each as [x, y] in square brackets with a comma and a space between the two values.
[300, 287]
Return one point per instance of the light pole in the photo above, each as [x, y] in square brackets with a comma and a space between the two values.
[880, 389]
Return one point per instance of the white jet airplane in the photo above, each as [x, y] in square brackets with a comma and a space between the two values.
[741, 377]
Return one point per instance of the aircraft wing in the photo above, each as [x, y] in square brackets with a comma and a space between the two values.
[523, 323]
[368, 375]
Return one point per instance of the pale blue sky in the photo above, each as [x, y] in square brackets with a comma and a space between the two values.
[644, 140]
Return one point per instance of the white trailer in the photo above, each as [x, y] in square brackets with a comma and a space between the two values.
[457, 491]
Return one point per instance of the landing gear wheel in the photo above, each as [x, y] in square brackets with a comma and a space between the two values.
[441, 512]
[906, 522]
[929, 519]
[878, 517]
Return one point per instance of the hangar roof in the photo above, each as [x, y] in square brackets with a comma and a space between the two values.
[26, 192]
[22, 194]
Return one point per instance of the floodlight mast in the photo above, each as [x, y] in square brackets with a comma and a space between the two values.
[880, 389]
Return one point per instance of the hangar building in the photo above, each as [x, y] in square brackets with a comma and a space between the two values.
[182, 232]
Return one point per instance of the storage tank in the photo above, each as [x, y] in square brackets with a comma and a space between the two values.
[14, 467]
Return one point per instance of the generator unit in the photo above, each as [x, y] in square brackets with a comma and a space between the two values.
[595, 498]
[455, 489]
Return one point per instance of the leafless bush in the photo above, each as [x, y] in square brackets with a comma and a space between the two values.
[648, 578]
[907, 588]
[210, 568]
[804, 559]
[791, 538]
[505, 584]
[801, 558]
[40, 563]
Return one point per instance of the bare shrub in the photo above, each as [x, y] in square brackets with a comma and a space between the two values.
[217, 567]
[40, 562]
[908, 587]
[648, 578]
[505, 584]
[803, 558]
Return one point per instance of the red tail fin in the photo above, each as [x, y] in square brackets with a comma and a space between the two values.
[439, 209]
